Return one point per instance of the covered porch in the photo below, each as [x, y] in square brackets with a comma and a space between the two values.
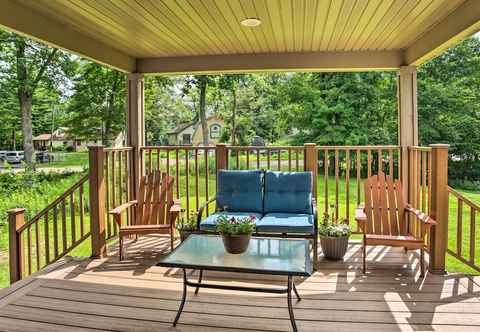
[135, 295]
[51, 292]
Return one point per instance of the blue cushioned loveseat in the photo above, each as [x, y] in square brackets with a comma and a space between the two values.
[282, 203]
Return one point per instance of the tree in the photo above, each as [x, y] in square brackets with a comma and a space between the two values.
[97, 106]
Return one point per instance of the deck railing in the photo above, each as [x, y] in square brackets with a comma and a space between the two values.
[467, 235]
[50, 234]
[338, 172]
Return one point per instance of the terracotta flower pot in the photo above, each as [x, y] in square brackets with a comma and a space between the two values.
[237, 243]
[334, 248]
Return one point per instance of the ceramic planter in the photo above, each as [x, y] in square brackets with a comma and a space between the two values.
[236, 243]
[334, 248]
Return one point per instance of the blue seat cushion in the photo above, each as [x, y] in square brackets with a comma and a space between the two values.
[289, 192]
[240, 191]
[210, 223]
[286, 223]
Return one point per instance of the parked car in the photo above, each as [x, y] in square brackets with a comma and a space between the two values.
[3, 154]
[14, 157]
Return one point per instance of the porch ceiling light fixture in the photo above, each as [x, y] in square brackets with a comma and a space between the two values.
[251, 22]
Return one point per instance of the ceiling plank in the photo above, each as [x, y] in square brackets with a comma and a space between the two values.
[263, 62]
[25, 21]
[462, 22]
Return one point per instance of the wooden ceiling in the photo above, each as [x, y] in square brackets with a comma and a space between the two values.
[189, 28]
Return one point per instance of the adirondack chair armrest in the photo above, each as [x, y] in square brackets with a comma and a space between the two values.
[421, 216]
[361, 217]
[119, 209]
[201, 208]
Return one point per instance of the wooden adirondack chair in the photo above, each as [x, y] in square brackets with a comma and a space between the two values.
[155, 210]
[384, 219]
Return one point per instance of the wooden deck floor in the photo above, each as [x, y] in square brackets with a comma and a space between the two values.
[135, 295]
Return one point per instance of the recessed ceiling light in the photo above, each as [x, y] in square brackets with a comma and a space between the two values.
[251, 22]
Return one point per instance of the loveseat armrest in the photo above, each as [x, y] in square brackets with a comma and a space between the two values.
[200, 210]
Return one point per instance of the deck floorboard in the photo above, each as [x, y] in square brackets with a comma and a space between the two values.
[136, 295]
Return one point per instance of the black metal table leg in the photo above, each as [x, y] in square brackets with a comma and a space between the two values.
[184, 296]
[199, 281]
[289, 299]
[295, 290]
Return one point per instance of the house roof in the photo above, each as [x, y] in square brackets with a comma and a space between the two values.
[145, 36]
[42, 137]
[194, 124]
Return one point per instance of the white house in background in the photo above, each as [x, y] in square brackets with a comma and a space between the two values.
[191, 133]
[61, 138]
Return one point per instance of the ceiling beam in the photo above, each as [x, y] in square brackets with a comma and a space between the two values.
[29, 23]
[241, 63]
[461, 23]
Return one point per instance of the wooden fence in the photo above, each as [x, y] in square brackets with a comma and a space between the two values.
[51, 233]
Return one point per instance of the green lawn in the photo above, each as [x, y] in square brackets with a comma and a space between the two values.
[67, 159]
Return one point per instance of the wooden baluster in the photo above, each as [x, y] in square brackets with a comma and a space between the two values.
[114, 188]
[279, 161]
[268, 158]
[358, 157]
[37, 244]
[64, 225]
[107, 194]
[237, 158]
[459, 226]
[206, 177]
[369, 162]
[197, 204]
[429, 179]
[347, 184]
[81, 210]
[120, 178]
[380, 160]
[390, 163]
[297, 160]
[289, 159]
[258, 158]
[187, 192]
[72, 218]
[126, 186]
[325, 178]
[55, 232]
[47, 239]
[424, 181]
[177, 178]
[337, 170]
[247, 151]
[400, 163]
[16, 219]
[311, 164]
[472, 235]
[150, 164]
[29, 250]
[158, 159]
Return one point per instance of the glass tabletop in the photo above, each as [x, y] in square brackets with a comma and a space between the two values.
[264, 255]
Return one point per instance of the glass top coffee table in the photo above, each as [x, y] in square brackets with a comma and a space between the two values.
[274, 256]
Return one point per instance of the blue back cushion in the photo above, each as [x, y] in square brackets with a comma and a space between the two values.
[240, 191]
[289, 192]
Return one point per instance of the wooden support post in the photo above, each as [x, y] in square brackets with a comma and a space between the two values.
[311, 164]
[439, 208]
[16, 219]
[135, 127]
[97, 201]
[407, 118]
[221, 156]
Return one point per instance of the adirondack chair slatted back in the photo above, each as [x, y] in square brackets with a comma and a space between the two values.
[155, 197]
[385, 206]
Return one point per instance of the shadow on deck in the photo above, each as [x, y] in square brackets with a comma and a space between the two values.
[136, 295]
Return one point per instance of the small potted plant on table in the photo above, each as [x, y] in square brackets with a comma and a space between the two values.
[236, 232]
[334, 237]
[187, 226]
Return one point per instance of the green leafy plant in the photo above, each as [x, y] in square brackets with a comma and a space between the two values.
[233, 226]
[187, 224]
[332, 228]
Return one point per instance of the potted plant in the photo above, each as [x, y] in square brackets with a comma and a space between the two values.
[235, 232]
[334, 237]
[187, 226]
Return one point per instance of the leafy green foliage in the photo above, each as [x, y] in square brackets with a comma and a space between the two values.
[188, 224]
[331, 228]
[239, 225]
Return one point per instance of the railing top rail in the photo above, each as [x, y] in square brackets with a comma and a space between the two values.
[177, 147]
[270, 147]
[464, 199]
[55, 202]
[124, 148]
[356, 147]
[420, 148]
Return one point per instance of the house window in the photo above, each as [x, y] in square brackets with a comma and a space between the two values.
[215, 131]
[186, 139]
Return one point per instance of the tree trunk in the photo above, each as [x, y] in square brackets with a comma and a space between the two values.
[110, 111]
[234, 115]
[25, 100]
[203, 116]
